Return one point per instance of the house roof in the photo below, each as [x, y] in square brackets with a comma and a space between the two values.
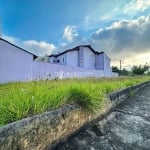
[34, 56]
[76, 48]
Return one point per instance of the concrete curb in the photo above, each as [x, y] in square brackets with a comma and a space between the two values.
[41, 131]
[125, 93]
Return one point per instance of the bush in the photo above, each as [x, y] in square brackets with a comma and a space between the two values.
[139, 70]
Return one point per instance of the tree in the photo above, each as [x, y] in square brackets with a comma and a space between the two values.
[139, 70]
[115, 69]
[125, 72]
[148, 73]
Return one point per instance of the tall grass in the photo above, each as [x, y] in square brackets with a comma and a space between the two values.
[20, 100]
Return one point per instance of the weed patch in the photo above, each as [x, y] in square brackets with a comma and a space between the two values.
[19, 100]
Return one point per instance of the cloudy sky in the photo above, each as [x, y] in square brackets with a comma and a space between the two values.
[121, 28]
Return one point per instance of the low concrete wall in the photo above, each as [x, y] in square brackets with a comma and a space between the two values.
[51, 71]
[41, 131]
[124, 93]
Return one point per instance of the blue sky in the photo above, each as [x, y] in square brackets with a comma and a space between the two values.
[118, 27]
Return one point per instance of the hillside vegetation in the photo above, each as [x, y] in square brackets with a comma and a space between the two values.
[19, 100]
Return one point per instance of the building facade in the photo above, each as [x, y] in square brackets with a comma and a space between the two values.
[83, 56]
[17, 64]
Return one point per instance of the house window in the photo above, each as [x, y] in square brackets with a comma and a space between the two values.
[63, 59]
[58, 61]
[53, 61]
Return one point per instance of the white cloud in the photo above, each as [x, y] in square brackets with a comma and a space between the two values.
[71, 38]
[124, 39]
[131, 24]
[137, 5]
[128, 62]
[10, 39]
[121, 10]
[40, 48]
[70, 33]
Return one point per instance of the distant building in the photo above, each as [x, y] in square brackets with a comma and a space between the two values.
[83, 56]
[17, 64]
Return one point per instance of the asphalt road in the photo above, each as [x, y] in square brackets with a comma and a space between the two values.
[127, 127]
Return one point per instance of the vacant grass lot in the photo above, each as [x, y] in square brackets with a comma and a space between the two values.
[20, 100]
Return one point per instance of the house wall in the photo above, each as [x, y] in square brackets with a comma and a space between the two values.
[80, 57]
[62, 59]
[88, 59]
[15, 64]
[72, 58]
[18, 65]
[107, 68]
[51, 59]
[100, 61]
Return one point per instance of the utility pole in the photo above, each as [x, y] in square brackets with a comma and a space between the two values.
[120, 67]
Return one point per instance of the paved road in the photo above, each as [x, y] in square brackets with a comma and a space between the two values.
[126, 128]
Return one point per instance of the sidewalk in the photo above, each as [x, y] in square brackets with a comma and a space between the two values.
[126, 128]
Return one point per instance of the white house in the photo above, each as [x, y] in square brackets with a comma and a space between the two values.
[83, 56]
[15, 62]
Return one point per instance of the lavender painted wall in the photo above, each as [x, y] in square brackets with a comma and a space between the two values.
[80, 57]
[100, 61]
[18, 65]
[15, 64]
[51, 71]
[88, 59]
[83, 58]
[62, 59]
[52, 59]
[72, 58]
[107, 68]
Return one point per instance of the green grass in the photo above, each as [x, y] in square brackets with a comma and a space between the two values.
[20, 100]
